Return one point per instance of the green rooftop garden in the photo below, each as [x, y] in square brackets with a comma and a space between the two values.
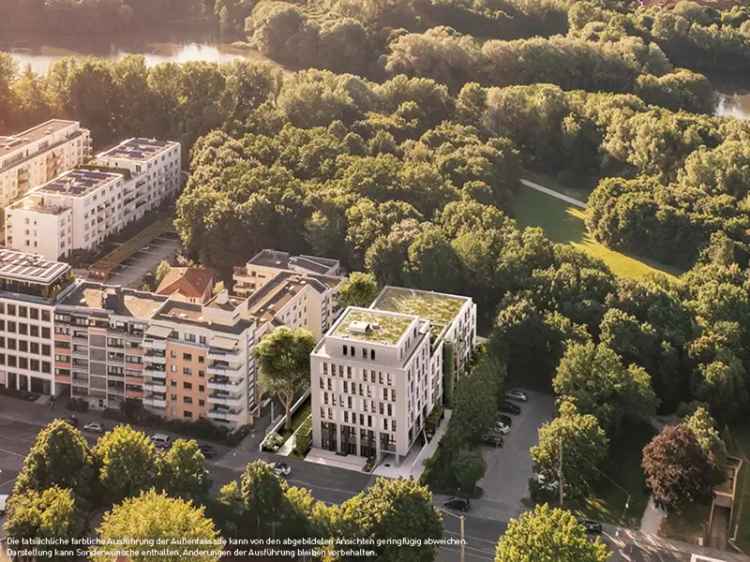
[439, 309]
[383, 328]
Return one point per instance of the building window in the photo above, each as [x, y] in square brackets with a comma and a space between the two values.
[188, 414]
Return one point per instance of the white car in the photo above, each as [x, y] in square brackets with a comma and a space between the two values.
[94, 427]
[516, 394]
[502, 428]
[281, 468]
[3, 503]
[161, 441]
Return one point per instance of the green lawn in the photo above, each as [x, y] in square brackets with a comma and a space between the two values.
[622, 472]
[564, 223]
[297, 418]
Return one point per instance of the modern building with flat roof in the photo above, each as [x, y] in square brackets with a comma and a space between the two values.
[79, 209]
[33, 157]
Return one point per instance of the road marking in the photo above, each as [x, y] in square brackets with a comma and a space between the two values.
[11, 453]
[701, 558]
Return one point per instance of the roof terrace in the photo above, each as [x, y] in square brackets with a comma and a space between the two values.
[78, 183]
[12, 143]
[372, 326]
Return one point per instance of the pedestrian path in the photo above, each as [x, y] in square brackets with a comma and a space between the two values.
[553, 193]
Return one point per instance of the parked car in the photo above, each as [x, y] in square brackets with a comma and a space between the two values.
[507, 420]
[208, 451]
[458, 504]
[161, 441]
[510, 408]
[94, 427]
[281, 468]
[502, 428]
[591, 526]
[492, 438]
[515, 394]
[3, 503]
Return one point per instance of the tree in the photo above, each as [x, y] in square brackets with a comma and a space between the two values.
[703, 427]
[548, 534]
[284, 360]
[161, 272]
[151, 516]
[584, 447]
[593, 378]
[262, 494]
[393, 509]
[359, 289]
[469, 467]
[60, 457]
[48, 514]
[182, 471]
[677, 469]
[127, 463]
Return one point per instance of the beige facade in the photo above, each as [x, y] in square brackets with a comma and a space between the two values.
[187, 380]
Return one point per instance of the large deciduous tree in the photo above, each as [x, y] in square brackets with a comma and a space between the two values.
[677, 468]
[127, 462]
[359, 289]
[548, 534]
[182, 471]
[581, 441]
[284, 359]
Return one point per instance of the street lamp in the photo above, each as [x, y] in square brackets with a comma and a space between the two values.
[461, 519]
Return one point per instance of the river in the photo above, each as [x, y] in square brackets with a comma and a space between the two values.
[167, 47]
[194, 46]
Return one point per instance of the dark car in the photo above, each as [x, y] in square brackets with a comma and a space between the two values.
[507, 420]
[510, 408]
[73, 420]
[458, 504]
[493, 439]
[208, 451]
[591, 526]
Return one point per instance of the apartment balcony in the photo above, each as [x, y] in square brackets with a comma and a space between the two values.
[155, 344]
[222, 356]
[63, 379]
[132, 393]
[154, 386]
[224, 384]
[155, 359]
[155, 373]
[134, 366]
[155, 401]
[219, 398]
[130, 379]
[226, 415]
[224, 370]
[81, 353]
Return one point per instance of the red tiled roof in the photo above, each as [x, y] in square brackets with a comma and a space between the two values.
[188, 281]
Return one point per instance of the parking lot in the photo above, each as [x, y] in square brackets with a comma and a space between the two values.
[131, 272]
[509, 468]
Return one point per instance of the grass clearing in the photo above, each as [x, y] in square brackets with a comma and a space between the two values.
[565, 224]
[622, 477]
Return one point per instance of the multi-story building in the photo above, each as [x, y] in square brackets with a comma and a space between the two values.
[36, 156]
[82, 207]
[99, 331]
[267, 264]
[378, 373]
[199, 362]
[372, 381]
[29, 289]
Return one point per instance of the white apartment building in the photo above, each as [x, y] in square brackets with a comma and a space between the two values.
[31, 158]
[372, 381]
[82, 207]
[29, 287]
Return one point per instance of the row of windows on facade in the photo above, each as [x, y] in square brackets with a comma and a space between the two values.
[386, 408]
[26, 363]
[388, 380]
[25, 346]
[364, 420]
[23, 311]
[349, 350]
[359, 389]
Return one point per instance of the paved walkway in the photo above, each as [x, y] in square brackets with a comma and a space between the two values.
[553, 193]
[652, 518]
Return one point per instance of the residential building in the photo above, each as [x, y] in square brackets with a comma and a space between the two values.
[188, 284]
[199, 362]
[80, 208]
[378, 373]
[29, 289]
[266, 265]
[373, 383]
[99, 353]
[33, 157]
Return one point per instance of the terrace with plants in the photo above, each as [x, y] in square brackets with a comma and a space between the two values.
[372, 326]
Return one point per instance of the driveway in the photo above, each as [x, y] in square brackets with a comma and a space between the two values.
[506, 482]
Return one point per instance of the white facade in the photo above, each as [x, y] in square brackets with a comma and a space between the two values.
[371, 395]
[36, 156]
[82, 207]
